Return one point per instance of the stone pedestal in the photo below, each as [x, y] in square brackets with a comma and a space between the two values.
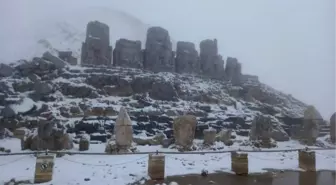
[209, 136]
[307, 160]
[44, 168]
[84, 145]
[156, 166]
[239, 163]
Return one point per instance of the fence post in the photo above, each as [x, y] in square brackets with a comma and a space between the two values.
[44, 168]
[156, 166]
[307, 160]
[239, 163]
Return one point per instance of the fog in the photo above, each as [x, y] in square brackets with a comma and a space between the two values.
[289, 44]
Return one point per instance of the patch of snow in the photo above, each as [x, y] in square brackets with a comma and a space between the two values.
[26, 105]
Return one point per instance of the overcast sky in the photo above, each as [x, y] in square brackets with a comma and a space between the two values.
[289, 44]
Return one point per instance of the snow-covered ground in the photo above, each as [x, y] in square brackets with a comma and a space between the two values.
[123, 169]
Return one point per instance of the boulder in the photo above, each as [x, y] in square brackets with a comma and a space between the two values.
[8, 112]
[122, 88]
[184, 130]
[128, 53]
[142, 84]
[209, 136]
[158, 52]
[43, 88]
[59, 63]
[23, 86]
[6, 70]
[77, 91]
[96, 49]
[4, 133]
[67, 56]
[261, 129]
[163, 90]
[187, 60]
[225, 136]
[279, 134]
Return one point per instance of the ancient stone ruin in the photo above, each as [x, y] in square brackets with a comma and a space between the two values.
[184, 131]
[123, 129]
[47, 136]
[187, 60]
[233, 71]
[157, 56]
[333, 128]
[158, 51]
[128, 53]
[96, 49]
[212, 64]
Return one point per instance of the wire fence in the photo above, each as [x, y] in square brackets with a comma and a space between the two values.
[144, 158]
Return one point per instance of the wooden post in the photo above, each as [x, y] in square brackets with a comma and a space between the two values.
[44, 168]
[239, 163]
[308, 178]
[307, 160]
[156, 166]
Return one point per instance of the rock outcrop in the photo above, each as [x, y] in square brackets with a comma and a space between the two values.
[5, 70]
[187, 60]
[184, 131]
[212, 64]
[158, 51]
[128, 53]
[96, 49]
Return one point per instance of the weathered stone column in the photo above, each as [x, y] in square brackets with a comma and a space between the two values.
[212, 64]
[261, 130]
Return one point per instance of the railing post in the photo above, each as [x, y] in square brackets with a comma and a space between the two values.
[156, 166]
[44, 168]
[239, 163]
[307, 160]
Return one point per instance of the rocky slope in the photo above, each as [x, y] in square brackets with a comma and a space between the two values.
[89, 98]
